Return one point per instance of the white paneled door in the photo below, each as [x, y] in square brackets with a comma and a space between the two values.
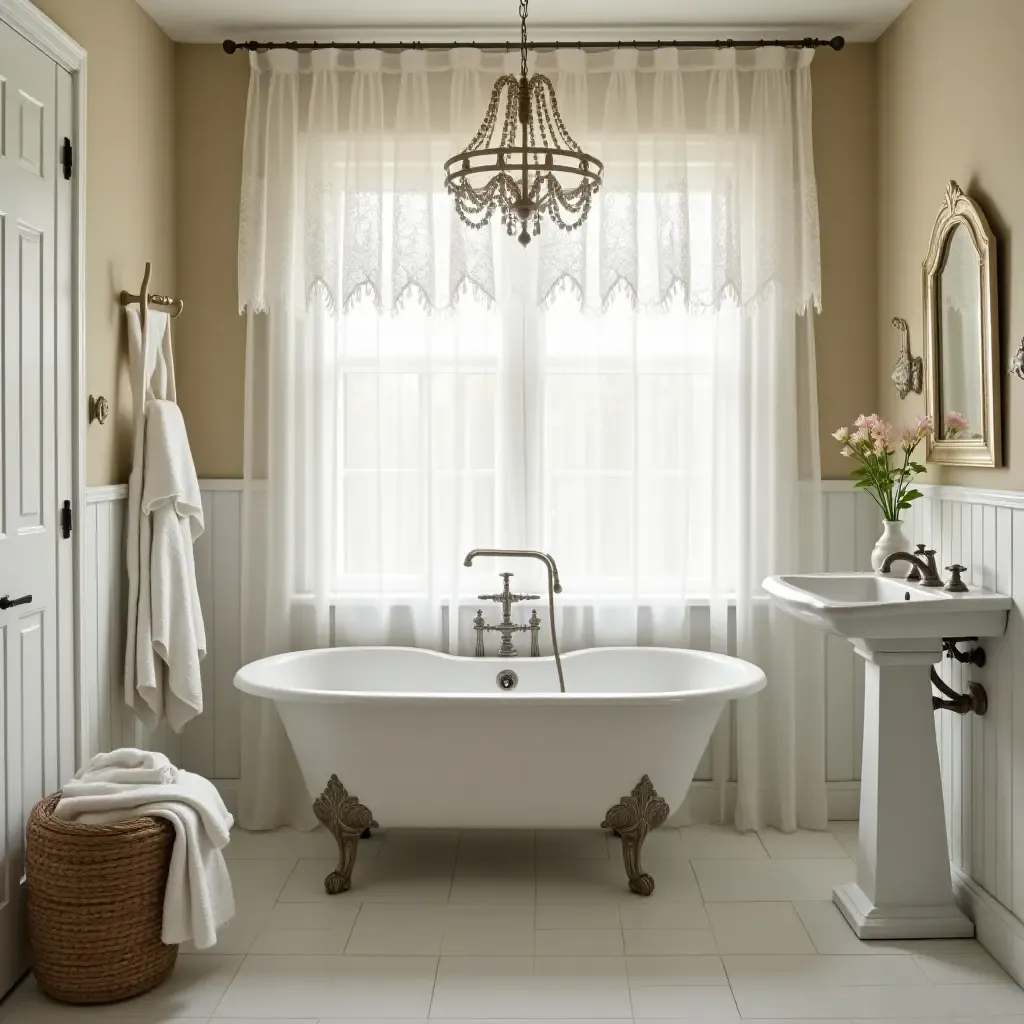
[36, 599]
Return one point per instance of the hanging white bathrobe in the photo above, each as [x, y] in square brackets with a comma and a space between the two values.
[166, 638]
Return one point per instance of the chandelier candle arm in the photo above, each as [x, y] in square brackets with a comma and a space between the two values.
[525, 177]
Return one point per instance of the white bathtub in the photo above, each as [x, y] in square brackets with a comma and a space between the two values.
[429, 740]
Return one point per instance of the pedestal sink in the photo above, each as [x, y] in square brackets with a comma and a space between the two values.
[903, 888]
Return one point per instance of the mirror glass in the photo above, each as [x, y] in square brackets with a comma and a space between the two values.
[961, 392]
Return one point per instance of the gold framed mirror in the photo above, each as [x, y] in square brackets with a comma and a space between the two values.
[961, 329]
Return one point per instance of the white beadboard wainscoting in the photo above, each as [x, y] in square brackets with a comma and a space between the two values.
[982, 758]
[210, 744]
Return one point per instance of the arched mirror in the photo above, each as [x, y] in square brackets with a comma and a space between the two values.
[962, 336]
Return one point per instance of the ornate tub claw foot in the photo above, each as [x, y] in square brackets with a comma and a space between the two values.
[631, 819]
[346, 819]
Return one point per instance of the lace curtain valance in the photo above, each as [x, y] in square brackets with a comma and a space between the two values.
[345, 149]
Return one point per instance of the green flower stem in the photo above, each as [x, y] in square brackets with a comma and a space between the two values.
[887, 484]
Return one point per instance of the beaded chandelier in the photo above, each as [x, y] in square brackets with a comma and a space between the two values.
[534, 167]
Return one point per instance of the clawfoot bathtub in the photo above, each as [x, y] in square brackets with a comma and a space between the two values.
[414, 738]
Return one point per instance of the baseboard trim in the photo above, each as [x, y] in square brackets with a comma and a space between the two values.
[843, 801]
[996, 928]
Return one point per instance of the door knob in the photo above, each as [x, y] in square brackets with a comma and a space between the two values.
[6, 602]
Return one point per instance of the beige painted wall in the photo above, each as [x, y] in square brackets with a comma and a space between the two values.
[129, 200]
[845, 164]
[211, 351]
[951, 82]
[210, 354]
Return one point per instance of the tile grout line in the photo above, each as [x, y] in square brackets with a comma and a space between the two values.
[352, 929]
[803, 926]
[433, 987]
[227, 987]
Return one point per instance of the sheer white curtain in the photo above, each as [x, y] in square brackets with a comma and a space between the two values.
[636, 397]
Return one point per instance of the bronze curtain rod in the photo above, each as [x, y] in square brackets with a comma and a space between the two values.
[836, 42]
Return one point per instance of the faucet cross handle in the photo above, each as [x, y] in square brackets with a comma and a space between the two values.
[506, 576]
[955, 585]
[506, 595]
[915, 573]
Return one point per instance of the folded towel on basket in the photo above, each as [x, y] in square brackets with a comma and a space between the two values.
[129, 766]
[198, 898]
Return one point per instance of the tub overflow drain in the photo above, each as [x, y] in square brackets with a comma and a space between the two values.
[507, 679]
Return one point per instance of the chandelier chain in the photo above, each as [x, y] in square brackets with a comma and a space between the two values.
[523, 4]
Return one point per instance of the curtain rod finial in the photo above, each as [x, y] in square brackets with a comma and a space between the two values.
[837, 43]
[230, 46]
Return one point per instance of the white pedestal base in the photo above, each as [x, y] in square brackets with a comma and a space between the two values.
[898, 922]
[903, 888]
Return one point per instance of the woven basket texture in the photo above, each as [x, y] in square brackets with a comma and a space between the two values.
[95, 905]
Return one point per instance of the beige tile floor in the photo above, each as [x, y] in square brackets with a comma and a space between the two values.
[519, 927]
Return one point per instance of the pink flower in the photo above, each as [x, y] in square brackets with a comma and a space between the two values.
[909, 437]
[883, 435]
[955, 424]
[925, 425]
[861, 434]
[842, 435]
[846, 452]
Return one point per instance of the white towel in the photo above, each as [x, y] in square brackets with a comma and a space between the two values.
[198, 898]
[170, 623]
[129, 766]
[151, 367]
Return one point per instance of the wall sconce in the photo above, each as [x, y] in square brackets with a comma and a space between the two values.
[908, 373]
[1017, 363]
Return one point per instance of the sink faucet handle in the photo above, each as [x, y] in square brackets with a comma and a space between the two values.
[914, 576]
[956, 585]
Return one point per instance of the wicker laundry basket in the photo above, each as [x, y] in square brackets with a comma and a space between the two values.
[95, 905]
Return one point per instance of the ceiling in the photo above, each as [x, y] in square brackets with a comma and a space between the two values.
[207, 21]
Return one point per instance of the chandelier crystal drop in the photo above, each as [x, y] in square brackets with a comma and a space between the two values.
[523, 161]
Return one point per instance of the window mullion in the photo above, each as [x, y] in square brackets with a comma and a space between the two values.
[511, 428]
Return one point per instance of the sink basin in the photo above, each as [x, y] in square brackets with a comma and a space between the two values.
[861, 588]
[870, 607]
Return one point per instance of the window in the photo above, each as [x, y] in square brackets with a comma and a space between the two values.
[603, 437]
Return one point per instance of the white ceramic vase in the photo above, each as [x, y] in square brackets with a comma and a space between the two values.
[893, 539]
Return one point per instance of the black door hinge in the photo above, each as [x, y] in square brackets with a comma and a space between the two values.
[67, 158]
[65, 520]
